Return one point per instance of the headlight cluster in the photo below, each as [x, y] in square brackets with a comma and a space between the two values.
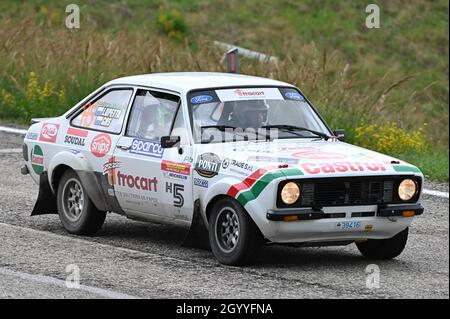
[290, 193]
[407, 189]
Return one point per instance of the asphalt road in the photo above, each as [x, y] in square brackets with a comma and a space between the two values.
[128, 259]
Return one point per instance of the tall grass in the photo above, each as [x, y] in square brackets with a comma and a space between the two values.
[73, 63]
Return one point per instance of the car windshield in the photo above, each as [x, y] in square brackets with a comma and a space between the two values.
[225, 115]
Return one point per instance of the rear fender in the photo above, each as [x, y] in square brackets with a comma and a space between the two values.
[89, 179]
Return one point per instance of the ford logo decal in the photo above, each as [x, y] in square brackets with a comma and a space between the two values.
[201, 99]
[294, 96]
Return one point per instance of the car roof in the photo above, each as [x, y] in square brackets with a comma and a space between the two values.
[183, 82]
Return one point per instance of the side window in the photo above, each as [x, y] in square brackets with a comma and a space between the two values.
[106, 113]
[152, 115]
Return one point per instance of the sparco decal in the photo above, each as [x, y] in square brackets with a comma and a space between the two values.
[177, 191]
[100, 145]
[75, 136]
[37, 159]
[137, 182]
[208, 165]
[109, 168]
[341, 167]
[49, 132]
[148, 148]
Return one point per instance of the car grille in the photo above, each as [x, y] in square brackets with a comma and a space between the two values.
[348, 191]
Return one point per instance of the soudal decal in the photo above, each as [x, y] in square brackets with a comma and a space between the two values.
[174, 167]
[341, 167]
[148, 148]
[88, 115]
[105, 115]
[32, 136]
[101, 145]
[201, 182]
[109, 169]
[208, 165]
[75, 136]
[37, 159]
[137, 182]
[177, 191]
[199, 99]
[49, 132]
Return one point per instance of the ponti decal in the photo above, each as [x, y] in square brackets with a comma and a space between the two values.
[49, 132]
[101, 144]
[208, 165]
[37, 159]
[342, 167]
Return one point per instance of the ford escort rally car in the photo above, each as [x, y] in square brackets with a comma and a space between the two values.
[238, 160]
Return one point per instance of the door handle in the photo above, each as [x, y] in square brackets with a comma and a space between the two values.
[123, 147]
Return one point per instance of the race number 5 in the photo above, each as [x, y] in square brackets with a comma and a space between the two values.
[176, 190]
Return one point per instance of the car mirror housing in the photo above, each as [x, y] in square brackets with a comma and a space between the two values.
[170, 141]
[340, 134]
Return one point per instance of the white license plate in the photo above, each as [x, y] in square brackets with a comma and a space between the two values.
[349, 225]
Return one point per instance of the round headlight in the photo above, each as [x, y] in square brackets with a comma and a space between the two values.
[407, 189]
[290, 193]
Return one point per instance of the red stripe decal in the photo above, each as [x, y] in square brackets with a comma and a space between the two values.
[249, 181]
[77, 132]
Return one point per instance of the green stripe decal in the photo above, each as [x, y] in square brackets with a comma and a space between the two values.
[251, 194]
[403, 168]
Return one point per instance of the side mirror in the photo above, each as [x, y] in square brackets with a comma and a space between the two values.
[340, 134]
[169, 141]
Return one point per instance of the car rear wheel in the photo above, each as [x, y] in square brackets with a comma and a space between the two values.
[76, 211]
[233, 236]
[384, 248]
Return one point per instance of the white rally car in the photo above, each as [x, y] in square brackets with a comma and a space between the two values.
[238, 160]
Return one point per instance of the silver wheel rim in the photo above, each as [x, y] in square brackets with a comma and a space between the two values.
[227, 229]
[73, 200]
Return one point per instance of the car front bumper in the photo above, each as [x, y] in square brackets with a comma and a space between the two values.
[338, 223]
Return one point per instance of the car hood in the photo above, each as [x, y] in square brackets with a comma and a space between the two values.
[314, 158]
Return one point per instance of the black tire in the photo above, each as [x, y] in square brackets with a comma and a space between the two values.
[247, 239]
[77, 214]
[384, 248]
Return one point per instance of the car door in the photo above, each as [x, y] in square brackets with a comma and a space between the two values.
[149, 180]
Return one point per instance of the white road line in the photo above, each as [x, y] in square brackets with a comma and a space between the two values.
[435, 193]
[12, 130]
[10, 150]
[61, 283]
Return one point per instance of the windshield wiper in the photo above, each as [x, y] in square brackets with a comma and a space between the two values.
[219, 127]
[293, 128]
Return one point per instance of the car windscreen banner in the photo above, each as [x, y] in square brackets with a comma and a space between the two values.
[249, 94]
[238, 94]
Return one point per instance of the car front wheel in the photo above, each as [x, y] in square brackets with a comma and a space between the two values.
[233, 236]
[76, 211]
[384, 248]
